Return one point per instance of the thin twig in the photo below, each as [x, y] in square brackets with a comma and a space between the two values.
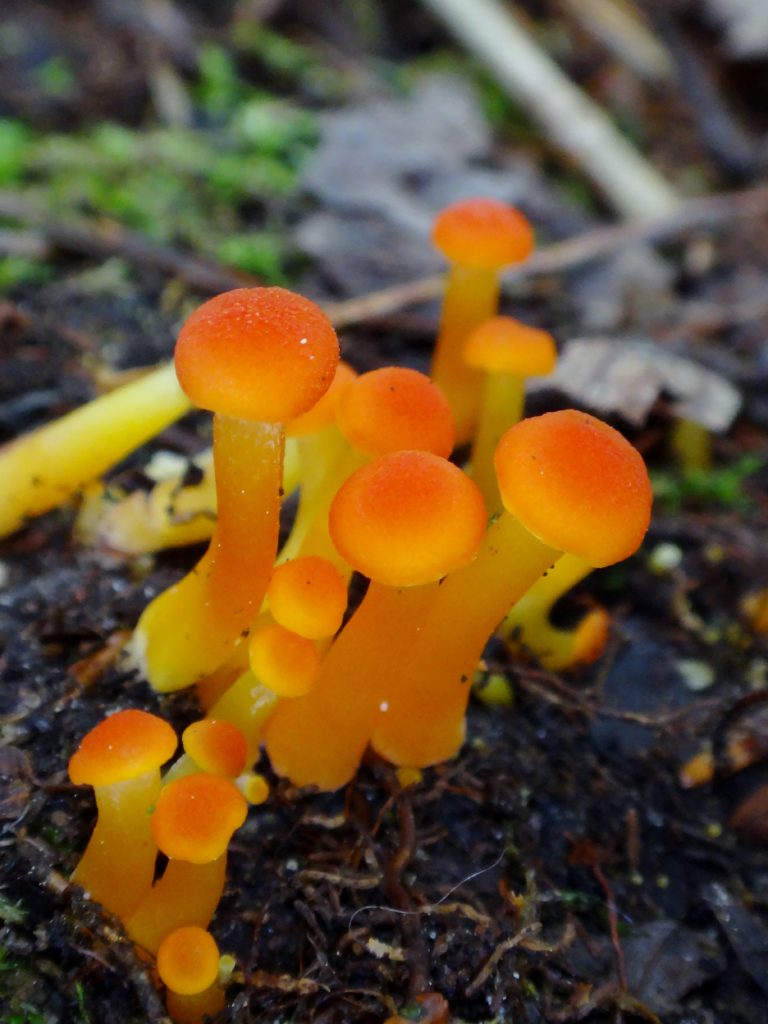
[574, 123]
[693, 214]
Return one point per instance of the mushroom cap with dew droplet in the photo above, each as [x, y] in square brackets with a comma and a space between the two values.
[396, 409]
[121, 747]
[195, 817]
[504, 345]
[482, 233]
[308, 595]
[408, 518]
[576, 484]
[218, 747]
[188, 960]
[257, 354]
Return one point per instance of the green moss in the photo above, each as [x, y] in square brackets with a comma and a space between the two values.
[184, 187]
[723, 486]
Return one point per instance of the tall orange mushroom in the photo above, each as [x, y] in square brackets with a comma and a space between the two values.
[121, 759]
[478, 237]
[569, 482]
[257, 357]
[404, 520]
[188, 965]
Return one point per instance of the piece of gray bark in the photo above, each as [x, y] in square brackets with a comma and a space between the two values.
[626, 378]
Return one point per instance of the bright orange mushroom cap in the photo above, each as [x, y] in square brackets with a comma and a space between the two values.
[283, 661]
[308, 595]
[188, 960]
[218, 747]
[323, 413]
[483, 233]
[407, 518]
[257, 354]
[396, 409]
[121, 747]
[504, 345]
[195, 817]
[576, 484]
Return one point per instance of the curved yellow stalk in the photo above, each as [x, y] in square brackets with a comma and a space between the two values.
[44, 468]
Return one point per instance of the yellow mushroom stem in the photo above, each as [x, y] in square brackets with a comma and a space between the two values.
[186, 894]
[193, 627]
[528, 623]
[501, 406]
[327, 459]
[471, 297]
[119, 862]
[194, 1009]
[428, 686]
[246, 703]
[44, 468]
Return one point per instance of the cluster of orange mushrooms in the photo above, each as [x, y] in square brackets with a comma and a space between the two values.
[453, 553]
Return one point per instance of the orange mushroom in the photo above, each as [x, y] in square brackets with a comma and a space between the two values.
[284, 661]
[478, 237]
[308, 596]
[569, 483]
[188, 965]
[405, 520]
[320, 446]
[192, 824]
[212, 746]
[258, 357]
[385, 410]
[121, 759]
[506, 352]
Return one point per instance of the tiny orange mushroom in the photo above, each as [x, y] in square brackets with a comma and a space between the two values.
[121, 759]
[193, 822]
[308, 596]
[256, 357]
[188, 965]
[405, 520]
[210, 745]
[478, 237]
[284, 661]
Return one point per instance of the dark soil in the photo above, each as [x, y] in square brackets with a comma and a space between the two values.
[557, 870]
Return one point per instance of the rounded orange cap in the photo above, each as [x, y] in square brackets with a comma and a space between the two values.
[504, 345]
[485, 234]
[283, 661]
[394, 409]
[195, 817]
[308, 595]
[218, 747]
[188, 960]
[323, 413]
[257, 354]
[407, 518]
[576, 484]
[121, 747]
